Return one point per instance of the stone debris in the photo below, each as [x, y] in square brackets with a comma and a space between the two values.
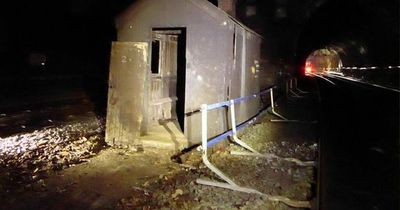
[259, 138]
[28, 158]
[177, 193]
[179, 190]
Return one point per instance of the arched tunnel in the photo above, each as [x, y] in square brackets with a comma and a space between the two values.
[362, 33]
[333, 65]
[359, 135]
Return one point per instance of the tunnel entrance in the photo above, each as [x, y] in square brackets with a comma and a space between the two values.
[323, 60]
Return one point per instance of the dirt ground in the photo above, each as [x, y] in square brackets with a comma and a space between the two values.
[77, 171]
[178, 188]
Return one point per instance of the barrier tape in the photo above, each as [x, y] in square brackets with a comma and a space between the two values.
[230, 184]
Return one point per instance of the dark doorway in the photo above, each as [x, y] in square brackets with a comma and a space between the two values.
[171, 61]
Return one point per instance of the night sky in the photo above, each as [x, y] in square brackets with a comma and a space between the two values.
[72, 34]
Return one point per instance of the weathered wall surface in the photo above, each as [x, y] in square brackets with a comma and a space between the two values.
[251, 79]
[244, 75]
[126, 93]
[211, 75]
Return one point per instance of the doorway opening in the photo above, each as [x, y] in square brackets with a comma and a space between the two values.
[168, 74]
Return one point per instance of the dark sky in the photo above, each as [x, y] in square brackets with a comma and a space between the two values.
[55, 24]
[79, 32]
[70, 33]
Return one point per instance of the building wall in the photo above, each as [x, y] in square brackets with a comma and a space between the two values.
[209, 55]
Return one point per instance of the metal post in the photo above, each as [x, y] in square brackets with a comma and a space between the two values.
[287, 88]
[291, 89]
[233, 117]
[271, 95]
[204, 140]
[297, 88]
[230, 183]
[273, 106]
[204, 133]
[295, 83]
[282, 118]
[234, 132]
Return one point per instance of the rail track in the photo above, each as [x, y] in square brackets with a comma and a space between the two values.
[359, 145]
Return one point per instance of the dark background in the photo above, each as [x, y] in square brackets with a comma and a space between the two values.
[75, 37]
[72, 39]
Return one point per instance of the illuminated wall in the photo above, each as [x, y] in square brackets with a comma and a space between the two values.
[221, 56]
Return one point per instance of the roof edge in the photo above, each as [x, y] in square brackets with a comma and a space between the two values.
[236, 21]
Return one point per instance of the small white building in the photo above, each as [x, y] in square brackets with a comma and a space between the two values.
[172, 56]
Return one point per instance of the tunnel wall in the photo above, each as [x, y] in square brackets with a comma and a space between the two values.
[364, 33]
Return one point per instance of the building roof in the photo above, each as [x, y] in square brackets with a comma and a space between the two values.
[206, 7]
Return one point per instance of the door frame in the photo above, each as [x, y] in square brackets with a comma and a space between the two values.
[181, 68]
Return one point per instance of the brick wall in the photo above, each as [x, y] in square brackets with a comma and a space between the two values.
[229, 6]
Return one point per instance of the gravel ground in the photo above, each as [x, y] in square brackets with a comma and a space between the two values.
[178, 189]
[26, 159]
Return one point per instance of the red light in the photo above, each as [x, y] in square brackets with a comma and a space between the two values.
[308, 69]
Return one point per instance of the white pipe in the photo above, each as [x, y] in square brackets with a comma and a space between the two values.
[230, 183]
[273, 106]
[291, 89]
[204, 133]
[287, 89]
[273, 156]
[204, 138]
[297, 88]
[282, 118]
[233, 117]
[276, 198]
[294, 121]
[234, 135]
[228, 186]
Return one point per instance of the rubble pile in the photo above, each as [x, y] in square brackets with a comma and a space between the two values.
[259, 138]
[179, 190]
[268, 176]
[27, 158]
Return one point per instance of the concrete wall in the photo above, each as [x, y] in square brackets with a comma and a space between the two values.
[210, 69]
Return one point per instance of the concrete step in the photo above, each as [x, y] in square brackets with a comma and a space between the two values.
[166, 135]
